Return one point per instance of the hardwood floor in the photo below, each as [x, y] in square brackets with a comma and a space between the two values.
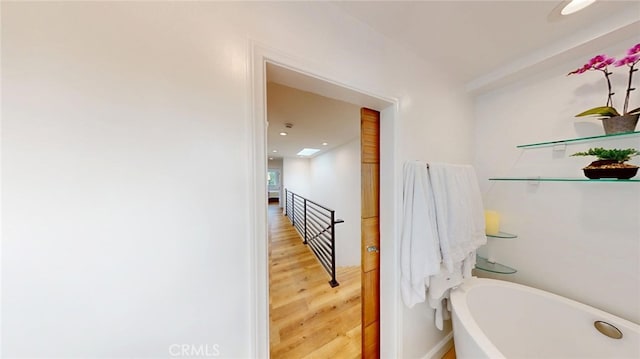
[451, 354]
[308, 318]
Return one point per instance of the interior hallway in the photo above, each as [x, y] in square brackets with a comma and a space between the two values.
[308, 318]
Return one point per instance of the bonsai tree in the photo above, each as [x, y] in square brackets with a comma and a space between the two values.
[615, 154]
[610, 163]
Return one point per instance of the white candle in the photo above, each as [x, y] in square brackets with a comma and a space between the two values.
[492, 222]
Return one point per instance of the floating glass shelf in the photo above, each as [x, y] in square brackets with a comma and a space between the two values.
[580, 139]
[483, 264]
[502, 235]
[558, 179]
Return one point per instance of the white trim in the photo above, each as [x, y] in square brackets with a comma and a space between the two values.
[390, 205]
[256, 127]
[390, 320]
[441, 348]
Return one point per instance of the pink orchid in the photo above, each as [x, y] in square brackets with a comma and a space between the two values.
[595, 60]
[596, 63]
[580, 70]
[629, 60]
[601, 63]
[634, 50]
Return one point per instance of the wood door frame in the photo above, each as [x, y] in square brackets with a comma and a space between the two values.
[390, 201]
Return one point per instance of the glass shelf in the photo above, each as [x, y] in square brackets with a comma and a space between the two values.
[580, 139]
[483, 264]
[502, 235]
[559, 179]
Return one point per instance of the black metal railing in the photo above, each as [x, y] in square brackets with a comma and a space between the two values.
[316, 225]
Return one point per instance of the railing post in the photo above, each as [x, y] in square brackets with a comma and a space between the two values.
[293, 209]
[333, 282]
[305, 220]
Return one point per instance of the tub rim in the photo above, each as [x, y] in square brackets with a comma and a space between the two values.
[461, 310]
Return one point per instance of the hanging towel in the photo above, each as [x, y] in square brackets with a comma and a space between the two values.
[440, 286]
[460, 214]
[420, 249]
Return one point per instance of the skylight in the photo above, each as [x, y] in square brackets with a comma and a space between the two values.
[308, 151]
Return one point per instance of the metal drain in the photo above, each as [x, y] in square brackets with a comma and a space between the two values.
[608, 329]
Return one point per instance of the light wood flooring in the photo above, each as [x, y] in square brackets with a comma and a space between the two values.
[308, 318]
[451, 354]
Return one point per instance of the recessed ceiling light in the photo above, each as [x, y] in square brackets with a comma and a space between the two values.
[308, 151]
[324, 143]
[283, 133]
[270, 158]
[575, 6]
[274, 151]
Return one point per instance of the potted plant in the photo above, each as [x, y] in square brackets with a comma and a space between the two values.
[612, 120]
[610, 163]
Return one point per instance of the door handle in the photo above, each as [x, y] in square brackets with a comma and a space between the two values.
[373, 249]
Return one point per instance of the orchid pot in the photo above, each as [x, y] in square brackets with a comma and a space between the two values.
[620, 124]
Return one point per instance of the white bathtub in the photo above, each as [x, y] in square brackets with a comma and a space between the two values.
[496, 319]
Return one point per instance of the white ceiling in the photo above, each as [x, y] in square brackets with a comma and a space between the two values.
[315, 119]
[320, 111]
[472, 39]
[485, 44]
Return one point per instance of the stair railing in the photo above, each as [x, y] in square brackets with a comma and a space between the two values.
[316, 225]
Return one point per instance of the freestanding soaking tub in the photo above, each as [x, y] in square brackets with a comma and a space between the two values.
[496, 319]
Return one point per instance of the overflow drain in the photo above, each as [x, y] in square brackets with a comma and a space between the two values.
[608, 329]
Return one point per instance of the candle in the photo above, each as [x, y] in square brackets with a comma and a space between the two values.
[492, 222]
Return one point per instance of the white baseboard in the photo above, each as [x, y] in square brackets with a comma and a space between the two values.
[441, 348]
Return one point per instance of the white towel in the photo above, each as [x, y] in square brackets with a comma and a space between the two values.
[459, 211]
[441, 284]
[443, 225]
[420, 252]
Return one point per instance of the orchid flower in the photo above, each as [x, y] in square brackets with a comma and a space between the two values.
[601, 63]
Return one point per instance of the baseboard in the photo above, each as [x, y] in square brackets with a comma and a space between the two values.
[441, 348]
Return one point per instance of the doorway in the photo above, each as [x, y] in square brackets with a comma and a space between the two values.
[314, 286]
[388, 199]
[274, 185]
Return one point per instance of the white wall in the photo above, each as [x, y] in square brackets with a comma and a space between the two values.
[125, 143]
[335, 183]
[580, 240]
[297, 176]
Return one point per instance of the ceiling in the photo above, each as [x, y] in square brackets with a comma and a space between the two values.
[314, 120]
[471, 39]
[320, 111]
[485, 44]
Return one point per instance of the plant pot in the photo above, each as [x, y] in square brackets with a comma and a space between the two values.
[620, 124]
[610, 169]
